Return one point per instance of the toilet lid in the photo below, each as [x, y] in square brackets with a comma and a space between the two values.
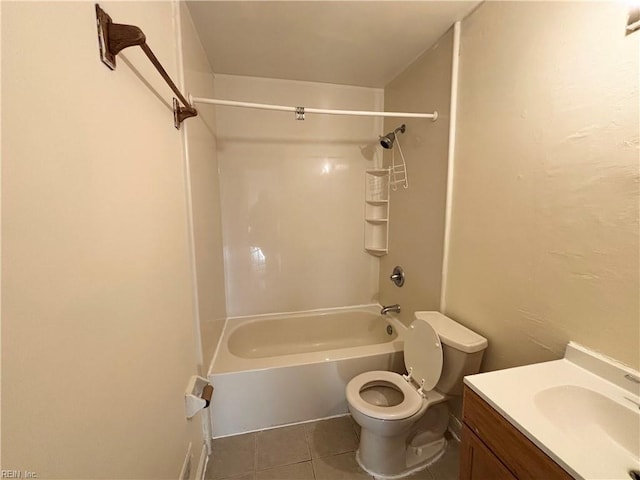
[423, 354]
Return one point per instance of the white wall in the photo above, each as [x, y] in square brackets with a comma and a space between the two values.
[544, 239]
[416, 224]
[293, 196]
[97, 314]
[204, 192]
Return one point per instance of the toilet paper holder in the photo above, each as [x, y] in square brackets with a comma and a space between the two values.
[197, 395]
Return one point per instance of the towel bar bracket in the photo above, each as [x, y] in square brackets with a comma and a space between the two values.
[115, 37]
[180, 114]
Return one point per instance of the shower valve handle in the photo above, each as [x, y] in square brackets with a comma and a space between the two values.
[397, 276]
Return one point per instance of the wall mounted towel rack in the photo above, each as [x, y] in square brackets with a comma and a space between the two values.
[114, 37]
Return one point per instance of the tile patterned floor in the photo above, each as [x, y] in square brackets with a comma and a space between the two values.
[323, 450]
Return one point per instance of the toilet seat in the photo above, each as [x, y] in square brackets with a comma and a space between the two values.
[410, 404]
[423, 359]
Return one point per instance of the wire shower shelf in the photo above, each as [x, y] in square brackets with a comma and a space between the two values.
[398, 171]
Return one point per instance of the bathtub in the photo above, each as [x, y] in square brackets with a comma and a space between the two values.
[273, 370]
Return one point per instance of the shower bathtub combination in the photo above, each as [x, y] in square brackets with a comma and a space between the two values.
[279, 369]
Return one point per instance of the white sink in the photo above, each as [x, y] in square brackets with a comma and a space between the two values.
[582, 411]
[589, 417]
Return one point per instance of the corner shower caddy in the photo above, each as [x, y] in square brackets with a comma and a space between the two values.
[376, 213]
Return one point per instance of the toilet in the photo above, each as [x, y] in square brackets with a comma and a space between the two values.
[404, 417]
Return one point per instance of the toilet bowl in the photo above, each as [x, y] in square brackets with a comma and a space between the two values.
[404, 417]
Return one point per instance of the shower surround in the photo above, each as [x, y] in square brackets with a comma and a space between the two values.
[292, 196]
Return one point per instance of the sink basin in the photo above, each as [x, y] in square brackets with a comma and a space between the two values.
[581, 410]
[590, 417]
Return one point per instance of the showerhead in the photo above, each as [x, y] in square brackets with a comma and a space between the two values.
[389, 138]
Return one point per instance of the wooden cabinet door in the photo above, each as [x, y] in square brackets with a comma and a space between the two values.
[516, 452]
[477, 462]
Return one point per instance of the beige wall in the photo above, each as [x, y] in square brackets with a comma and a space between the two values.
[416, 226]
[544, 242]
[205, 191]
[97, 318]
[293, 196]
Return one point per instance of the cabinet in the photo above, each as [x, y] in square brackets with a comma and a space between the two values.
[478, 462]
[376, 211]
[494, 449]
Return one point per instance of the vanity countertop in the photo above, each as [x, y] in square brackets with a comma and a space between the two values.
[583, 410]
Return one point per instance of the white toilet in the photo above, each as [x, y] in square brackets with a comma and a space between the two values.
[404, 417]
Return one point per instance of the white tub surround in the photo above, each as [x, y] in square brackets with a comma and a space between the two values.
[273, 370]
[582, 411]
[267, 159]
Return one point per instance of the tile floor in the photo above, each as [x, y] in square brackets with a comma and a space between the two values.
[323, 450]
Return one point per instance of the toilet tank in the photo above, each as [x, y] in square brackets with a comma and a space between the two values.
[462, 351]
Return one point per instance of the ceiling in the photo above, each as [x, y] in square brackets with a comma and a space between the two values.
[365, 43]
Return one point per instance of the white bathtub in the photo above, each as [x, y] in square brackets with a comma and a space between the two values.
[272, 370]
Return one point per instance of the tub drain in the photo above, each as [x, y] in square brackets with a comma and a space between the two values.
[390, 332]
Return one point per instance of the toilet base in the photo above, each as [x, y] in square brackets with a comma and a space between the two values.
[417, 458]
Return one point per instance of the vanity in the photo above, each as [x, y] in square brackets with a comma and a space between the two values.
[578, 417]
[492, 448]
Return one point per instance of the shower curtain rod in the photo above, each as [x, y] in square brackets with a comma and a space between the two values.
[300, 111]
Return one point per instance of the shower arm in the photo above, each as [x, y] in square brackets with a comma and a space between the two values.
[115, 37]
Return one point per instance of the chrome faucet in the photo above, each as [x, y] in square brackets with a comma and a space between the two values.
[391, 308]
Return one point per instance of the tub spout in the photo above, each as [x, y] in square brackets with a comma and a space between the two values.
[390, 308]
